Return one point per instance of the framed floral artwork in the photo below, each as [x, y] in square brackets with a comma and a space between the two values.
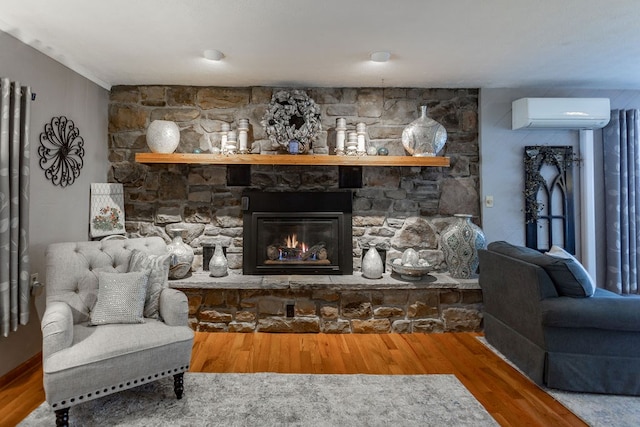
[107, 210]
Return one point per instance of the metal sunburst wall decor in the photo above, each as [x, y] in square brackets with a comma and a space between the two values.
[61, 150]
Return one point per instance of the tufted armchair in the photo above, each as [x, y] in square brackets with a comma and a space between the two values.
[82, 361]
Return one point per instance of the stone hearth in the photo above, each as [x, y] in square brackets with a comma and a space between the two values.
[332, 304]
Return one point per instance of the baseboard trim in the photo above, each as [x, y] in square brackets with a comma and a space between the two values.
[30, 364]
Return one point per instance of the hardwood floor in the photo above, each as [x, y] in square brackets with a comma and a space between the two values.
[507, 395]
[22, 394]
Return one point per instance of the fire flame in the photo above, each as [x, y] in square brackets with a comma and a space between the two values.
[291, 242]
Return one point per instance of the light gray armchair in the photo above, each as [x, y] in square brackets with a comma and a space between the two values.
[127, 348]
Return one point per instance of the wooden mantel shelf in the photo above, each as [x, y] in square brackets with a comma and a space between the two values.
[291, 159]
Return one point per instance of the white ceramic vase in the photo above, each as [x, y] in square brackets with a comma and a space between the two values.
[218, 263]
[163, 136]
[372, 267]
[460, 242]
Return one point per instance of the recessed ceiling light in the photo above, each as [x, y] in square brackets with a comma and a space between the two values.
[213, 55]
[381, 56]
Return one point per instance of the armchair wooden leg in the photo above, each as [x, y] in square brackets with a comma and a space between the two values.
[178, 384]
[62, 417]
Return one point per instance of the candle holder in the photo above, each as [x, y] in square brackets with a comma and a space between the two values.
[243, 132]
[232, 147]
[341, 133]
[352, 144]
[223, 137]
[361, 148]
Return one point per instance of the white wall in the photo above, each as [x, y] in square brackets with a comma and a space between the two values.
[502, 165]
[57, 214]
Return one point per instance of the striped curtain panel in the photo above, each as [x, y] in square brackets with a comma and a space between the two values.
[621, 142]
[14, 205]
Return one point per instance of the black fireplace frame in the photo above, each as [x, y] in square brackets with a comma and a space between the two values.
[258, 205]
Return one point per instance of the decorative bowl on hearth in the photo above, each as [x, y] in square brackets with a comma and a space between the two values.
[412, 272]
[410, 266]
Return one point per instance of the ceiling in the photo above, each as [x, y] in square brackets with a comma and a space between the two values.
[433, 43]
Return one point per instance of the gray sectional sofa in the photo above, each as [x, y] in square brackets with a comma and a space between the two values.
[539, 314]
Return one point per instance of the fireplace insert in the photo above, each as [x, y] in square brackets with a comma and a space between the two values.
[297, 233]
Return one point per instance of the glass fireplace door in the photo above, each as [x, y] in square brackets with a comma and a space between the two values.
[301, 241]
[309, 243]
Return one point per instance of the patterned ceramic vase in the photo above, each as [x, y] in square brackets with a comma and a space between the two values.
[424, 137]
[460, 242]
[182, 253]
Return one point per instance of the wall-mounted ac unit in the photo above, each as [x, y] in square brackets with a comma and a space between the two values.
[560, 113]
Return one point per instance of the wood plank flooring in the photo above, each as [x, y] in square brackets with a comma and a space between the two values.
[507, 395]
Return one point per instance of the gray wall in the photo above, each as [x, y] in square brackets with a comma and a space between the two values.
[57, 214]
[502, 166]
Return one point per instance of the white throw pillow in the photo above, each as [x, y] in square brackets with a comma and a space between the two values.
[583, 278]
[120, 298]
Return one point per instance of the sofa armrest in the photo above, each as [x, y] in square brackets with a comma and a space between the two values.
[174, 307]
[57, 328]
[618, 313]
[512, 291]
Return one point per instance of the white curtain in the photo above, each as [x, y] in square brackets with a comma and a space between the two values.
[621, 143]
[14, 205]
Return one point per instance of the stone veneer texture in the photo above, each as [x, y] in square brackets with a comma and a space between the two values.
[331, 311]
[397, 207]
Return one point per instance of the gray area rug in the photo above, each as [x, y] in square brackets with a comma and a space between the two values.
[267, 399]
[597, 410]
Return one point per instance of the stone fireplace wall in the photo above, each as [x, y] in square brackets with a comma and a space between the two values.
[396, 208]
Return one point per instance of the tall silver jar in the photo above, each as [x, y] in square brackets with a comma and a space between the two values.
[460, 242]
[424, 137]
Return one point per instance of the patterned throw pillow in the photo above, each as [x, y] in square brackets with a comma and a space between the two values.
[120, 298]
[158, 278]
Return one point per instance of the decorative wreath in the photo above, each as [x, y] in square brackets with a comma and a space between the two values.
[292, 115]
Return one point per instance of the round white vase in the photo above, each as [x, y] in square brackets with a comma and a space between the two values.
[372, 267]
[163, 136]
[460, 242]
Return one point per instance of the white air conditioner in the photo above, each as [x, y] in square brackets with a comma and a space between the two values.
[560, 113]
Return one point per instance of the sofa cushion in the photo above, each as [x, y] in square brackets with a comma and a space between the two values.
[93, 345]
[582, 285]
[605, 310]
[561, 271]
[120, 298]
[158, 278]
